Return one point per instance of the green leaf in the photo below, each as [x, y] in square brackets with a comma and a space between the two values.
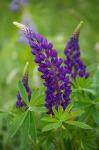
[2, 111]
[25, 132]
[78, 124]
[60, 111]
[69, 107]
[40, 101]
[6, 112]
[76, 113]
[68, 115]
[23, 93]
[32, 128]
[96, 115]
[49, 119]
[37, 98]
[33, 100]
[17, 123]
[88, 139]
[38, 109]
[51, 126]
[95, 84]
[55, 113]
[92, 67]
[89, 91]
[65, 116]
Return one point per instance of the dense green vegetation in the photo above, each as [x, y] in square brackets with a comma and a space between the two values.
[56, 20]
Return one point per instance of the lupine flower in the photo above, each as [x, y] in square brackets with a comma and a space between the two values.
[53, 73]
[20, 102]
[26, 20]
[16, 4]
[73, 62]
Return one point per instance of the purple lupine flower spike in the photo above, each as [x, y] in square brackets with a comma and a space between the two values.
[74, 64]
[53, 73]
[16, 4]
[20, 102]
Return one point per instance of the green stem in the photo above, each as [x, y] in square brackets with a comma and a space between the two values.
[35, 146]
[62, 146]
[43, 147]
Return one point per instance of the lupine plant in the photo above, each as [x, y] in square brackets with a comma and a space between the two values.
[63, 113]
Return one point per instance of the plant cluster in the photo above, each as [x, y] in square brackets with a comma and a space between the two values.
[63, 113]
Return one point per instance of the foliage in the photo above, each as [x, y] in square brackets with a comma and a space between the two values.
[68, 127]
[76, 128]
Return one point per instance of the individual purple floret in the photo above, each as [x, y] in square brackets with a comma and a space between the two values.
[16, 4]
[20, 102]
[53, 73]
[73, 62]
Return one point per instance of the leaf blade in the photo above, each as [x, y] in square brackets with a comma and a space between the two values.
[32, 128]
[16, 125]
[51, 126]
[23, 93]
[78, 124]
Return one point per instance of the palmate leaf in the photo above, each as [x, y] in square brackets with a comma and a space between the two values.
[28, 129]
[17, 123]
[89, 143]
[51, 126]
[23, 93]
[69, 113]
[78, 124]
[60, 117]
[25, 122]
[87, 140]
[80, 83]
[84, 139]
[83, 85]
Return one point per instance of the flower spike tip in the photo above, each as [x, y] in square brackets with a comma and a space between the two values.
[21, 26]
[78, 28]
[26, 68]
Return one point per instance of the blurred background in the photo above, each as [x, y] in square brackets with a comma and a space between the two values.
[55, 20]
